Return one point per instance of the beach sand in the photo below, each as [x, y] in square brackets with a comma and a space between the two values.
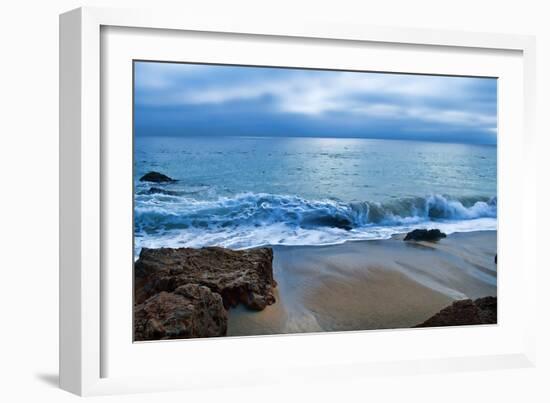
[362, 285]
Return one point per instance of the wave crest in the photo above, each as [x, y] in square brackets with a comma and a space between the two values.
[254, 210]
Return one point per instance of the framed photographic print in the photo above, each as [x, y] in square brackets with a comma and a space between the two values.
[306, 200]
[348, 199]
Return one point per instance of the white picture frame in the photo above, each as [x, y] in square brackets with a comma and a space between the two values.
[85, 311]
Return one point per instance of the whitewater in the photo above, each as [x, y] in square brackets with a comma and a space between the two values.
[248, 192]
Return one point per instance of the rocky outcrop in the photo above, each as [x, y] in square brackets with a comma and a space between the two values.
[176, 289]
[487, 310]
[482, 311]
[190, 311]
[156, 177]
[238, 276]
[154, 190]
[431, 235]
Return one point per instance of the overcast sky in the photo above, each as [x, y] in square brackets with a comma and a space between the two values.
[196, 100]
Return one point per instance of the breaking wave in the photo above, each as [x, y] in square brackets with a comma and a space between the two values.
[251, 219]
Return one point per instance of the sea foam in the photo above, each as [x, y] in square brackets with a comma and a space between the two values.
[254, 219]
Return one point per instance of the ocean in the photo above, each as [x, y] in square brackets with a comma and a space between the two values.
[242, 192]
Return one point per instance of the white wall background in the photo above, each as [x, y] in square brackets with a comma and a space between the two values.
[29, 187]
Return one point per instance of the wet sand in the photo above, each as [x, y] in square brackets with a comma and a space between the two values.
[365, 285]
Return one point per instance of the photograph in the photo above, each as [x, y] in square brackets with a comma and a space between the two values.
[272, 200]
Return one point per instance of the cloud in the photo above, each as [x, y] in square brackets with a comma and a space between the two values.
[162, 76]
[378, 99]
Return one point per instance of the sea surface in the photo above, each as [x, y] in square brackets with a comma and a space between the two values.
[242, 192]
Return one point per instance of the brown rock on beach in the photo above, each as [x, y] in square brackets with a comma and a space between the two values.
[482, 311]
[185, 292]
[238, 276]
[190, 311]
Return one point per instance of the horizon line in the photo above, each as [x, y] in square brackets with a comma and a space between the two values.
[454, 141]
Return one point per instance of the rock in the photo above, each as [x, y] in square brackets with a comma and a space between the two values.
[156, 177]
[487, 309]
[463, 312]
[185, 292]
[328, 221]
[244, 276]
[190, 311]
[495, 259]
[155, 190]
[482, 311]
[425, 235]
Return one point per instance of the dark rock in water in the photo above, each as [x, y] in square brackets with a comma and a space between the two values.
[238, 276]
[155, 190]
[482, 311]
[155, 177]
[329, 221]
[188, 312]
[425, 235]
[495, 259]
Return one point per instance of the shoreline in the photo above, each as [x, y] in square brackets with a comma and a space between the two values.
[396, 235]
[371, 284]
